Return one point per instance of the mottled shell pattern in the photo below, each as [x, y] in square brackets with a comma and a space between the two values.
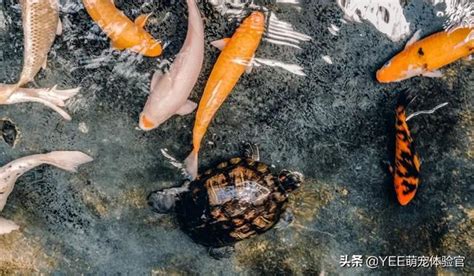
[234, 201]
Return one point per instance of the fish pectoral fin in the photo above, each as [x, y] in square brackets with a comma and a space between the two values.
[7, 226]
[59, 29]
[468, 58]
[187, 108]
[414, 38]
[221, 43]
[45, 64]
[433, 74]
[141, 20]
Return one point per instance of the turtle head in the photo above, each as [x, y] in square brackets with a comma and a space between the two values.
[290, 180]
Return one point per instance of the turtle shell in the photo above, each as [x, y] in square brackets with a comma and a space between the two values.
[238, 199]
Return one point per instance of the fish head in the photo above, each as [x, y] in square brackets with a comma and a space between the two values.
[255, 21]
[146, 123]
[398, 69]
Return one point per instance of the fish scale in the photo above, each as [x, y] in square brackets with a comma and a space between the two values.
[40, 23]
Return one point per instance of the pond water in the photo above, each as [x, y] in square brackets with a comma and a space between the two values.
[311, 103]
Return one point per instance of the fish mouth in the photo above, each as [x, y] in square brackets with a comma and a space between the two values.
[381, 76]
[145, 123]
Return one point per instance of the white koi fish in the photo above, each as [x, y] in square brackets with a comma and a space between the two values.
[66, 160]
[40, 25]
[169, 92]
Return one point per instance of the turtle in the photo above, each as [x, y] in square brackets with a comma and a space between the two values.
[235, 200]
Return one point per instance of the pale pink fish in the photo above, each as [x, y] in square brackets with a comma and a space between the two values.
[66, 160]
[169, 92]
[40, 19]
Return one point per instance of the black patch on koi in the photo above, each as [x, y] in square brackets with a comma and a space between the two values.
[420, 52]
[405, 135]
[410, 187]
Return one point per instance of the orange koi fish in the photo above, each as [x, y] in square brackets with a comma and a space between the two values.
[426, 56]
[406, 169]
[124, 33]
[236, 56]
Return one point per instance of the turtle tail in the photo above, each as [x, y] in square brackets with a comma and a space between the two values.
[191, 164]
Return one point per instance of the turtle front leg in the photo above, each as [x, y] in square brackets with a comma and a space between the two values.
[286, 219]
[164, 201]
[220, 253]
[7, 226]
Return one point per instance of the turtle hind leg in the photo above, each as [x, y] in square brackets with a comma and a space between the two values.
[164, 201]
[220, 253]
[251, 151]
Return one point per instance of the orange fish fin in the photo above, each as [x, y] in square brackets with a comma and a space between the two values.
[414, 38]
[187, 108]
[141, 20]
[221, 43]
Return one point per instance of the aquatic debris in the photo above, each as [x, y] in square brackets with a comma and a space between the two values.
[327, 59]
[224, 76]
[386, 15]
[66, 160]
[9, 132]
[424, 57]
[333, 29]
[431, 111]
[123, 33]
[40, 25]
[169, 92]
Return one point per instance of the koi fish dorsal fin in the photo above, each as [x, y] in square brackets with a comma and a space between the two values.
[141, 20]
[221, 43]
[413, 39]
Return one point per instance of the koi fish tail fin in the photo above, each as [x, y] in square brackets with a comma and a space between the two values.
[405, 98]
[7, 226]
[66, 160]
[191, 164]
[50, 97]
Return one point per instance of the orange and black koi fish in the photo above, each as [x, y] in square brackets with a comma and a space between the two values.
[406, 169]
